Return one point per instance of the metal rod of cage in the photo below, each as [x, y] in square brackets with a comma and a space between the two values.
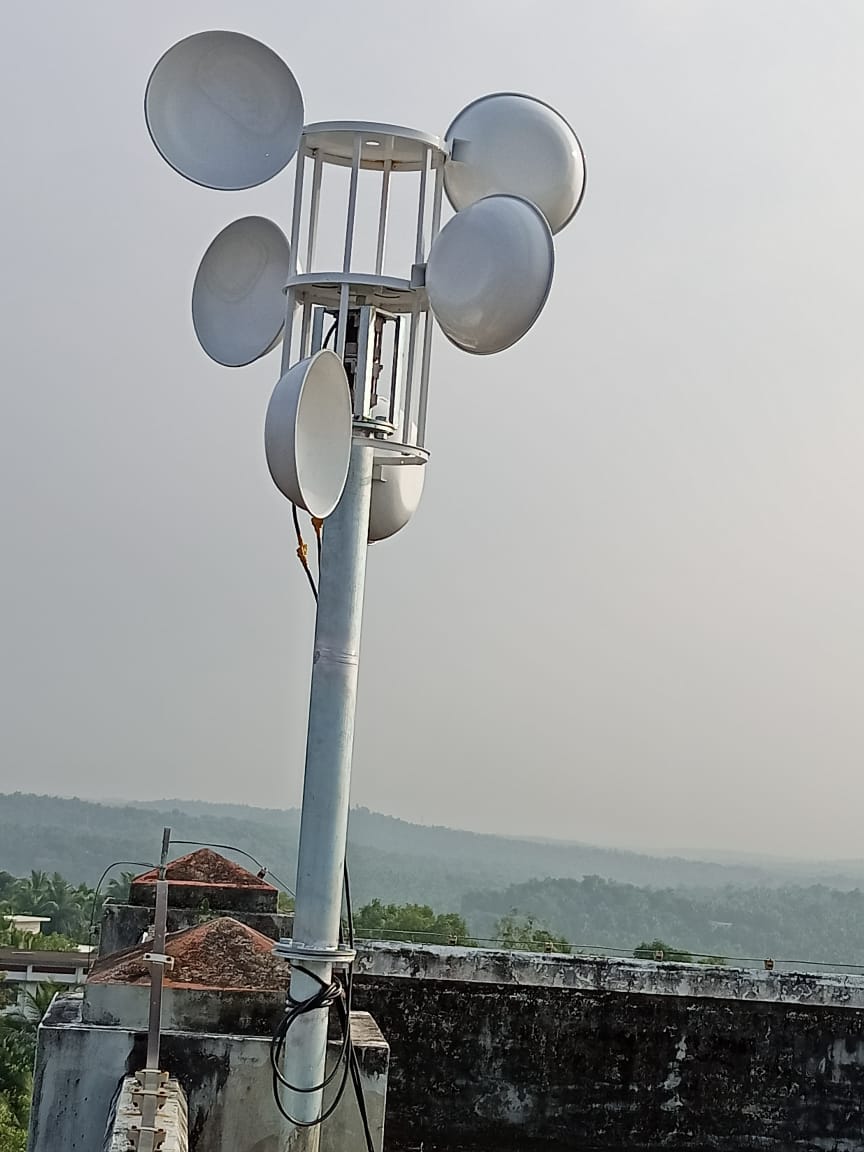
[383, 213]
[291, 294]
[437, 198]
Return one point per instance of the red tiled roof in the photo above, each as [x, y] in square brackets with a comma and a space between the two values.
[206, 868]
[221, 953]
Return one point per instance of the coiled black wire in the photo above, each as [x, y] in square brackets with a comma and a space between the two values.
[338, 993]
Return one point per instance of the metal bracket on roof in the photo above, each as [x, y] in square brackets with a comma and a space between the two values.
[148, 1096]
[159, 958]
[146, 1139]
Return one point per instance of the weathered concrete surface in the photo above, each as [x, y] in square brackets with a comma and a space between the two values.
[172, 1118]
[229, 1010]
[517, 1051]
[123, 925]
[609, 974]
[80, 1068]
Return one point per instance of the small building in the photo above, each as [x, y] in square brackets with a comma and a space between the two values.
[30, 924]
[23, 967]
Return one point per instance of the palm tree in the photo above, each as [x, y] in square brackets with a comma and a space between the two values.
[118, 887]
[52, 896]
[31, 897]
[68, 917]
[34, 1003]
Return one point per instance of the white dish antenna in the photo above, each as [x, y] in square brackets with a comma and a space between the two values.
[224, 110]
[396, 493]
[489, 273]
[238, 299]
[307, 433]
[516, 146]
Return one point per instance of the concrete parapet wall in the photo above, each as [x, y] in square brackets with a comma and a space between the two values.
[609, 974]
[80, 1070]
[510, 1051]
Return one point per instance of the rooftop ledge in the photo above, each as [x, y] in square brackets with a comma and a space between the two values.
[608, 974]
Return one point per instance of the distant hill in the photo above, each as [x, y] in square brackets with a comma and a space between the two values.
[500, 859]
[389, 858]
[789, 923]
[597, 898]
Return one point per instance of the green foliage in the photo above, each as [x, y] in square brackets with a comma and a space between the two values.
[391, 859]
[523, 934]
[13, 1137]
[30, 942]
[417, 923]
[814, 924]
[602, 900]
[285, 903]
[18, 1030]
[117, 888]
[67, 907]
[658, 949]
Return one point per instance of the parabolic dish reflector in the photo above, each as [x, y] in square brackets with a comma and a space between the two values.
[396, 493]
[224, 110]
[489, 273]
[238, 302]
[307, 433]
[516, 146]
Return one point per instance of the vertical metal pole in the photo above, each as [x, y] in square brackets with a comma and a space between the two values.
[329, 747]
[150, 1078]
[157, 970]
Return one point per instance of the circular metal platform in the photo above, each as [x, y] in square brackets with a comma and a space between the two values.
[405, 148]
[385, 292]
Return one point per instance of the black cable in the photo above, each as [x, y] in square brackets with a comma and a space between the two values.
[338, 994]
[232, 848]
[116, 864]
[352, 1056]
[327, 338]
[301, 550]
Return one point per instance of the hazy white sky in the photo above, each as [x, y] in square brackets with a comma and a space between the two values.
[629, 609]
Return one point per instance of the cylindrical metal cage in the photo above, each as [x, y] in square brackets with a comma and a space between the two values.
[381, 323]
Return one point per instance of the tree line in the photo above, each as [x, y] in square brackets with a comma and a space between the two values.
[805, 925]
[72, 910]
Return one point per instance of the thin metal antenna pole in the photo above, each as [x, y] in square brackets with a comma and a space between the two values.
[151, 1092]
[329, 747]
[158, 967]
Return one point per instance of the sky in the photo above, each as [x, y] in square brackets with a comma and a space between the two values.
[629, 609]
